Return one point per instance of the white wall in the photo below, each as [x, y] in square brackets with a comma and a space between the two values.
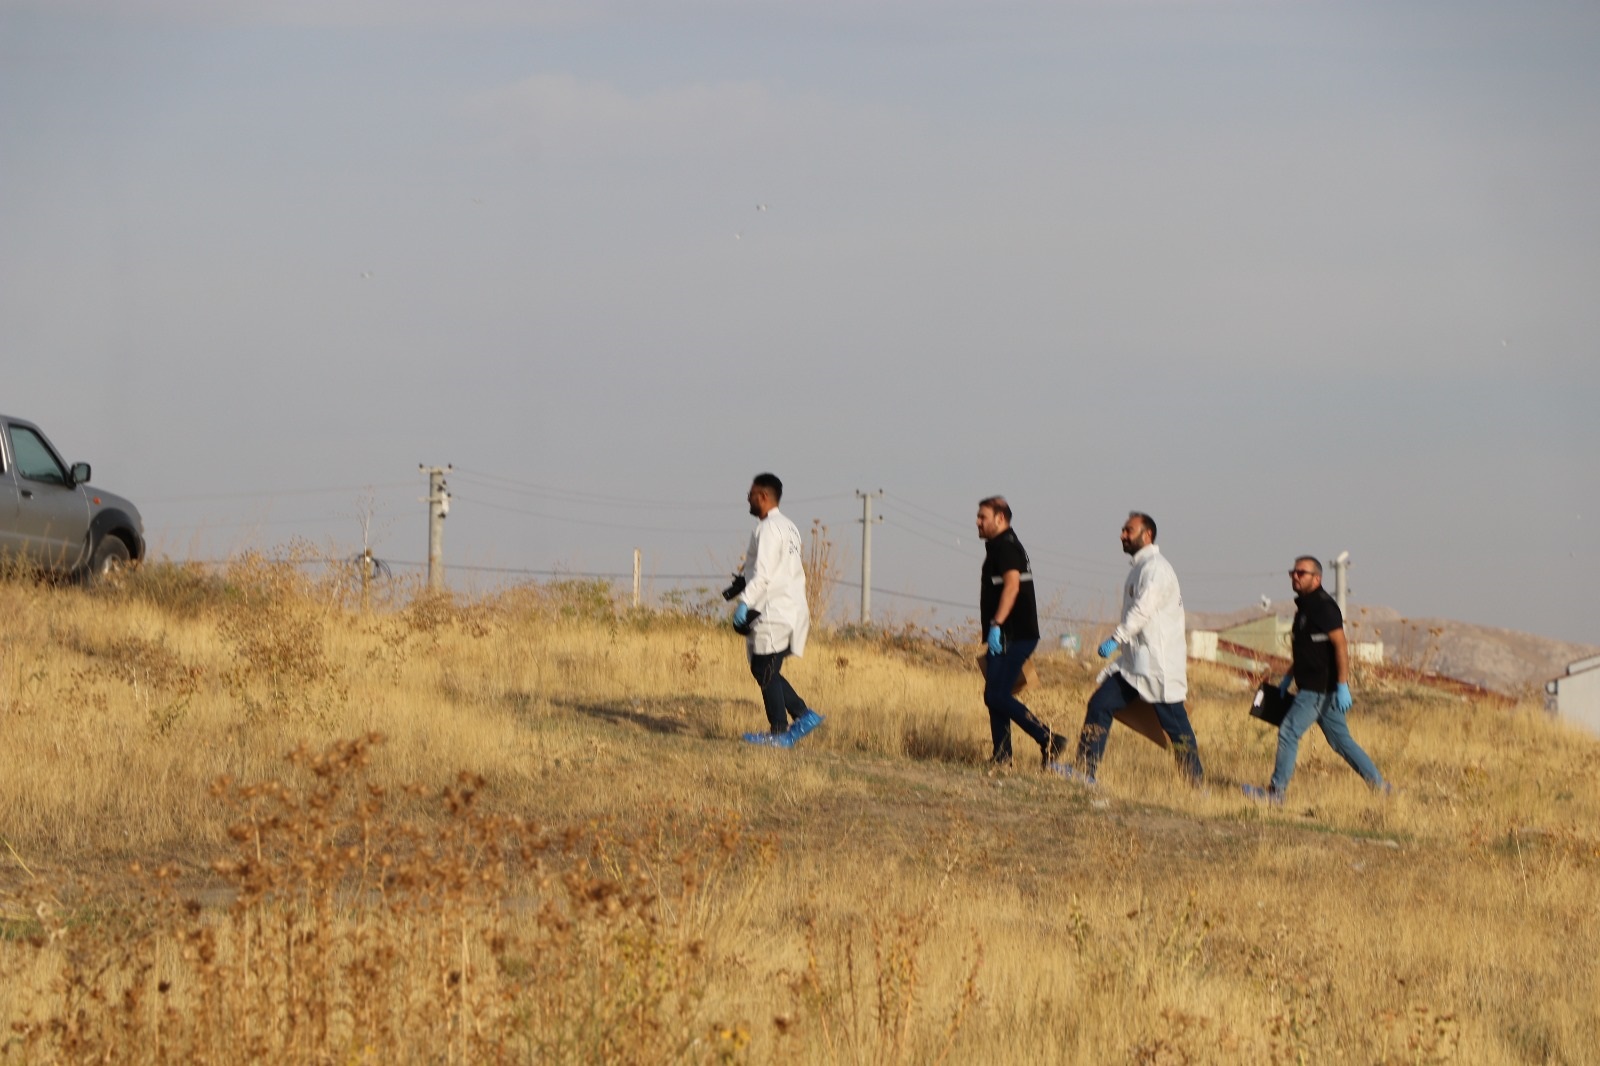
[1576, 698]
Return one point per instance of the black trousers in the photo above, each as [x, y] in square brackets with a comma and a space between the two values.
[779, 698]
[1000, 677]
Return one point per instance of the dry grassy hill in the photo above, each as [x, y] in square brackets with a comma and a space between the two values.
[244, 821]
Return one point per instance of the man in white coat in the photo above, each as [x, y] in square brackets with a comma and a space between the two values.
[1153, 667]
[772, 613]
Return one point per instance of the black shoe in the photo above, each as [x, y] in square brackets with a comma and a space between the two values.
[1052, 750]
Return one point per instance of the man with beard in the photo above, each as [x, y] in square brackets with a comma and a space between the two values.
[1153, 667]
[772, 613]
[1320, 671]
[1011, 630]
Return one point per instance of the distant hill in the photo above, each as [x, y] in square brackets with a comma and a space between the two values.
[1500, 659]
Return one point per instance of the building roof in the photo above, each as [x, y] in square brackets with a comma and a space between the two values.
[1583, 664]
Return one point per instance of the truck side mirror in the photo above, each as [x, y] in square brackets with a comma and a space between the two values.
[80, 473]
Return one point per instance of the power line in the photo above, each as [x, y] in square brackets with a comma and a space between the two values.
[589, 521]
[953, 603]
[323, 520]
[618, 575]
[1091, 566]
[609, 574]
[595, 499]
[416, 565]
[602, 499]
[904, 595]
[269, 494]
[934, 518]
[923, 536]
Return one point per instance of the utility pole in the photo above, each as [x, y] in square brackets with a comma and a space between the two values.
[866, 552]
[636, 562]
[1341, 580]
[438, 507]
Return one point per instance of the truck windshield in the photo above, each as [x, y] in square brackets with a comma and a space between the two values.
[35, 461]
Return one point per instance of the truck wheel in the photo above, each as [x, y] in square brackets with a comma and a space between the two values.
[110, 558]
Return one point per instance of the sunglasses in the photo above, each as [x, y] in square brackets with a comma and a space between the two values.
[1301, 573]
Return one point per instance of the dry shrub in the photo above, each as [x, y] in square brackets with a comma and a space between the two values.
[431, 613]
[875, 1009]
[182, 590]
[354, 933]
[822, 573]
[941, 741]
[566, 599]
[275, 618]
[163, 682]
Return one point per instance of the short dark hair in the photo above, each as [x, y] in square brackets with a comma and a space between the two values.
[1146, 521]
[1312, 559]
[771, 483]
[998, 505]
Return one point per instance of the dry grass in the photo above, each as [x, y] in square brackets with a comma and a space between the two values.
[558, 851]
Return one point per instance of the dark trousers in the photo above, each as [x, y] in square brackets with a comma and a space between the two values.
[1000, 677]
[1114, 694]
[778, 697]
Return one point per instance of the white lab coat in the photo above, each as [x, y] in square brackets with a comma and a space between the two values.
[775, 585]
[1155, 658]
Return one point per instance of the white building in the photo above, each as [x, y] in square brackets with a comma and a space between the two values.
[1575, 696]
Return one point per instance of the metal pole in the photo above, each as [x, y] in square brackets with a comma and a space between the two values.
[636, 579]
[866, 553]
[366, 580]
[438, 507]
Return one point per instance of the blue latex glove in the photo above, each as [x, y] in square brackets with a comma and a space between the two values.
[1283, 686]
[1108, 647]
[997, 645]
[1342, 698]
[740, 613]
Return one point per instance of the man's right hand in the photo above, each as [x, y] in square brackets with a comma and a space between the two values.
[1108, 646]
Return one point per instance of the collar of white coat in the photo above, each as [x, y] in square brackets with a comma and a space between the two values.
[1144, 553]
[770, 514]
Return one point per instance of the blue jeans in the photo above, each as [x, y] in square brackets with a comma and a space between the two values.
[1114, 694]
[1000, 673]
[1318, 707]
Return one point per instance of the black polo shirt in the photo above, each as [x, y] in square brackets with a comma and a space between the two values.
[1001, 554]
[1316, 664]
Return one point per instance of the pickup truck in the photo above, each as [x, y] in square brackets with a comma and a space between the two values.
[52, 519]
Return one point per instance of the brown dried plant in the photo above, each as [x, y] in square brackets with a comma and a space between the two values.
[353, 932]
[822, 573]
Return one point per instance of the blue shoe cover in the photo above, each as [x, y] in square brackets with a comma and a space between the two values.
[1073, 774]
[803, 725]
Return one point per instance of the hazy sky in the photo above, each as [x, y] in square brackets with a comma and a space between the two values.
[1291, 276]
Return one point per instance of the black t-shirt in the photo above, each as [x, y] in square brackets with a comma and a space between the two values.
[1001, 554]
[1316, 666]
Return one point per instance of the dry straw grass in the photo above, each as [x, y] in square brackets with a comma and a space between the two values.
[244, 819]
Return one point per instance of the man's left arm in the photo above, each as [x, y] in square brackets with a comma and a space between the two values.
[1010, 585]
[1341, 661]
[1010, 582]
